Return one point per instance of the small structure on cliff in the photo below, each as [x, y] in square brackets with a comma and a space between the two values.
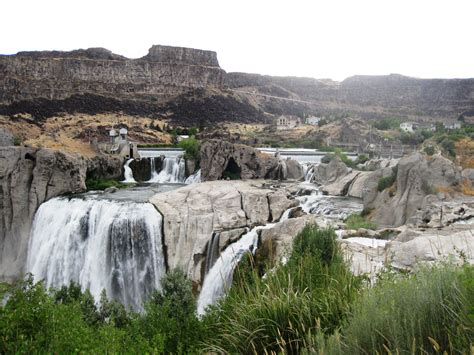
[287, 122]
[117, 144]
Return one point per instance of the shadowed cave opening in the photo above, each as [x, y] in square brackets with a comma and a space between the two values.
[232, 170]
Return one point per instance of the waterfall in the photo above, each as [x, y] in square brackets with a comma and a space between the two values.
[194, 178]
[100, 244]
[172, 170]
[128, 172]
[219, 278]
[308, 171]
[212, 250]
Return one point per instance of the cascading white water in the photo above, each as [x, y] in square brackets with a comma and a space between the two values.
[172, 170]
[194, 178]
[128, 173]
[219, 278]
[100, 244]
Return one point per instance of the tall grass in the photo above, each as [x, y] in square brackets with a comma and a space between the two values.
[311, 293]
[431, 311]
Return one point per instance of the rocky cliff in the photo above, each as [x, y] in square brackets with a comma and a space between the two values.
[167, 72]
[28, 177]
[369, 96]
[163, 73]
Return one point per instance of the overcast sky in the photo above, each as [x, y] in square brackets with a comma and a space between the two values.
[322, 39]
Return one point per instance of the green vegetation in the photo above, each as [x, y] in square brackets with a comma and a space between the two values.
[345, 159]
[17, 141]
[314, 290]
[356, 221]
[431, 311]
[387, 181]
[387, 123]
[429, 150]
[68, 321]
[102, 184]
[311, 304]
[191, 147]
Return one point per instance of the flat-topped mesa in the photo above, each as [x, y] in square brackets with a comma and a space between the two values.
[181, 55]
[162, 74]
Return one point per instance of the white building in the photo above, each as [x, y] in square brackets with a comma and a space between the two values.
[287, 122]
[409, 127]
[313, 120]
[454, 125]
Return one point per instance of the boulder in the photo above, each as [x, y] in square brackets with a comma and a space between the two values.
[192, 213]
[220, 158]
[417, 177]
[294, 170]
[28, 177]
[276, 242]
[328, 173]
[141, 168]
[341, 186]
[104, 167]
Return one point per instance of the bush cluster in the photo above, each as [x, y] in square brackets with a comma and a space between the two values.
[311, 304]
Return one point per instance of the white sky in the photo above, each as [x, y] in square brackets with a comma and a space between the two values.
[322, 39]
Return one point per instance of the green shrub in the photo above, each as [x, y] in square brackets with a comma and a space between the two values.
[102, 184]
[385, 182]
[429, 150]
[361, 159]
[191, 148]
[388, 181]
[312, 291]
[449, 146]
[356, 221]
[17, 141]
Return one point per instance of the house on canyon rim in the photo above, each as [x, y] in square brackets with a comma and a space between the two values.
[287, 122]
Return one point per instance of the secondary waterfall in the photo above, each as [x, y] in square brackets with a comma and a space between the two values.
[194, 178]
[219, 278]
[128, 172]
[172, 170]
[100, 244]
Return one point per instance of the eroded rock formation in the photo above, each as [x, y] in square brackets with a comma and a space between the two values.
[192, 213]
[221, 159]
[28, 177]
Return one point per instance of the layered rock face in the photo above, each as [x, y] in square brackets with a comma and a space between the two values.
[163, 73]
[363, 93]
[191, 214]
[221, 158]
[28, 177]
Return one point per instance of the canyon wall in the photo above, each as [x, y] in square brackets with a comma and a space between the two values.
[163, 73]
[176, 75]
[390, 94]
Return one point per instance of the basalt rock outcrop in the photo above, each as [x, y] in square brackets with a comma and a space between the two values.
[418, 181]
[193, 213]
[221, 159]
[163, 73]
[96, 74]
[28, 177]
